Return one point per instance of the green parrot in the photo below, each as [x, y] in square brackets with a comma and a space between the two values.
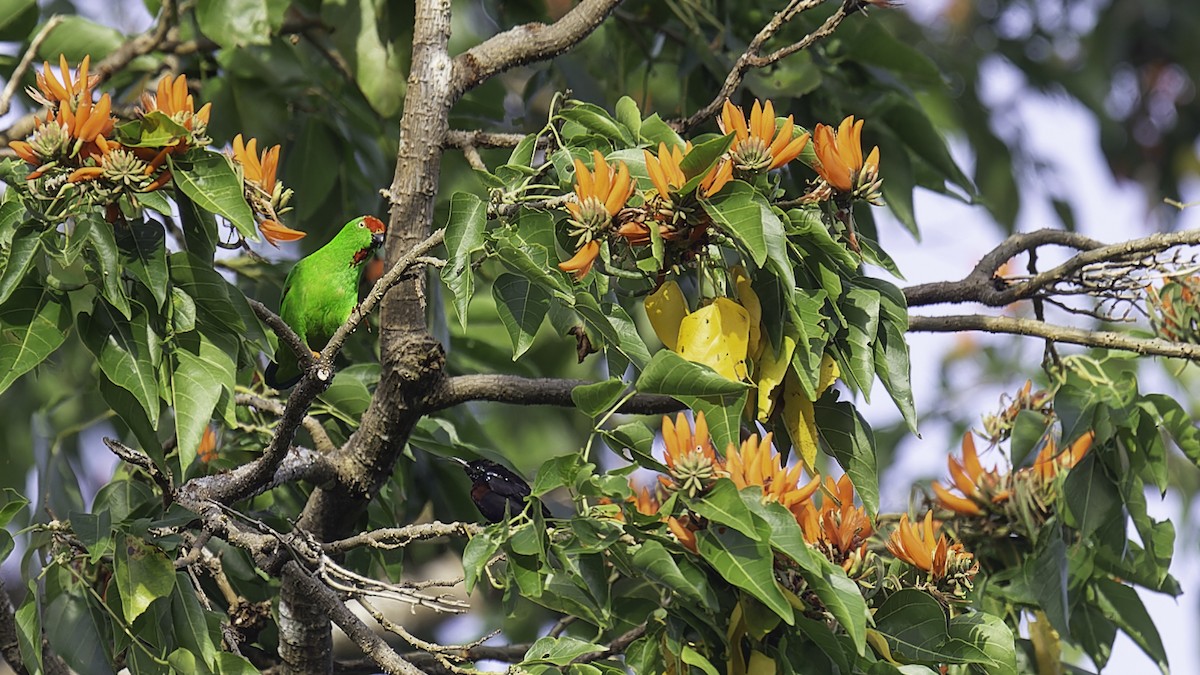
[321, 291]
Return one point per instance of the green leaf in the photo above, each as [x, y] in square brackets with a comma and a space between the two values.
[850, 441]
[560, 651]
[655, 131]
[153, 129]
[29, 629]
[914, 127]
[722, 412]
[1092, 498]
[350, 392]
[745, 563]
[375, 60]
[522, 307]
[658, 565]
[144, 574]
[95, 530]
[229, 663]
[723, 504]
[991, 636]
[188, 621]
[203, 366]
[208, 179]
[1029, 430]
[476, 555]
[697, 660]
[104, 245]
[199, 229]
[629, 115]
[1095, 633]
[671, 374]
[77, 37]
[144, 255]
[127, 352]
[464, 236]
[597, 398]
[32, 326]
[914, 625]
[315, 144]
[597, 120]
[18, 18]
[234, 23]
[891, 349]
[639, 439]
[14, 502]
[21, 252]
[860, 306]
[703, 157]
[523, 254]
[742, 212]
[1175, 421]
[210, 291]
[1121, 605]
[1045, 574]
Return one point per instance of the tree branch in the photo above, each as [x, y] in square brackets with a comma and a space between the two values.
[321, 441]
[398, 537]
[526, 44]
[284, 332]
[751, 59]
[1048, 331]
[456, 138]
[358, 632]
[519, 390]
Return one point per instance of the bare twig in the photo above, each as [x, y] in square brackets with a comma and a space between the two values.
[617, 646]
[520, 390]
[526, 43]
[1067, 334]
[398, 537]
[751, 58]
[312, 425]
[358, 632]
[484, 139]
[143, 461]
[471, 153]
[14, 80]
[284, 332]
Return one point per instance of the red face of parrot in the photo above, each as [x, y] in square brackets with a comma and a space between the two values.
[377, 229]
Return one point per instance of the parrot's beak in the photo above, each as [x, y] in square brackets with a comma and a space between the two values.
[377, 240]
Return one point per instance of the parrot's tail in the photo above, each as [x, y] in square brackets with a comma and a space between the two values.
[271, 377]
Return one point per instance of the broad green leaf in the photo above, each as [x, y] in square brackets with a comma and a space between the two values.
[989, 635]
[95, 530]
[697, 660]
[77, 631]
[350, 392]
[629, 115]
[723, 504]
[597, 120]
[153, 129]
[29, 629]
[671, 374]
[913, 126]
[20, 254]
[914, 624]
[104, 245]
[234, 23]
[629, 340]
[144, 255]
[1095, 633]
[144, 574]
[315, 144]
[657, 564]
[1121, 605]
[531, 259]
[860, 306]
[1092, 498]
[745, 563]
[639, 440]
[464, 236]
[77, 37]
[738, 213]
[850, 441]
[199, 228]
[478, 552]
[1176, 422]
[203, 366]
[208, 179]
[14, 502]
[560, 651]
[127, 353]
[723, 412]
[32, 326]
[210, 291]
[18, 18]
[597, 398]
[229, 663]
[1028, 436]
[1045, 574]
[701, 159]
[522, 308]
[891, 349]
[655, 131]
[189, 625]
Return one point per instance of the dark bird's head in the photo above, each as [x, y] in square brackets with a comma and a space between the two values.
[495, 489]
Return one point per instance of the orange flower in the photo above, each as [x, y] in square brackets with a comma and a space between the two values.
[758, 464]
[259, 171]
[581, 263]
[174, 101]
[758, 146]
[67, 90]
[207, 451]
[1050, 463]
[925, 548]
[840, 161]
[275, 232]
[689, 454]
[980, 488]
[667, 176]
[839, 529]
[683, 530]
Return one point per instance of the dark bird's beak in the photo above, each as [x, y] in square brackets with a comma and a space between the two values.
[459, 460]
[377, 240]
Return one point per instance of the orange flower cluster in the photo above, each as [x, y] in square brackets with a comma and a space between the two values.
[839, 529]
[926, 548]
[74, 143]
[760, 145]
[758, 464]
[1174, 312]
[266, 197]
[984, 491]
[689, 455]
[599, 195]
[840, 161]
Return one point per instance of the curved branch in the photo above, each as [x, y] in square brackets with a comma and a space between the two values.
[751, 58]
[520, 390]
[321, 440]
[397, 537]
[1048, 331]
[526, 44]
[982, 285]
[284, 332]
[458, 138]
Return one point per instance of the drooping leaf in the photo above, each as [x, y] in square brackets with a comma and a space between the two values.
[464, 236]
[234, 23]
[144, 574]
[208, 179]
[33, 324]
[671, 374]
[745, 563]
[522, 307]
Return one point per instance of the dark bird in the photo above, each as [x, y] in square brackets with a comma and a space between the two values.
[495, 489]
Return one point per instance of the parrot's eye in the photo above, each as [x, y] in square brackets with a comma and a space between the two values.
[362, 223]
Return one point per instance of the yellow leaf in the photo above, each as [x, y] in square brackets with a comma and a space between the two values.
[737, 629]
[717, 336]
[799, 419]
[770, 368]
[666, 309]
[749, 299]
[1047, 647]
[829, 373]
[761, 663]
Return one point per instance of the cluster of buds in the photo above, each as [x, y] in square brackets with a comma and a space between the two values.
[1173, 310]
[998, 427]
